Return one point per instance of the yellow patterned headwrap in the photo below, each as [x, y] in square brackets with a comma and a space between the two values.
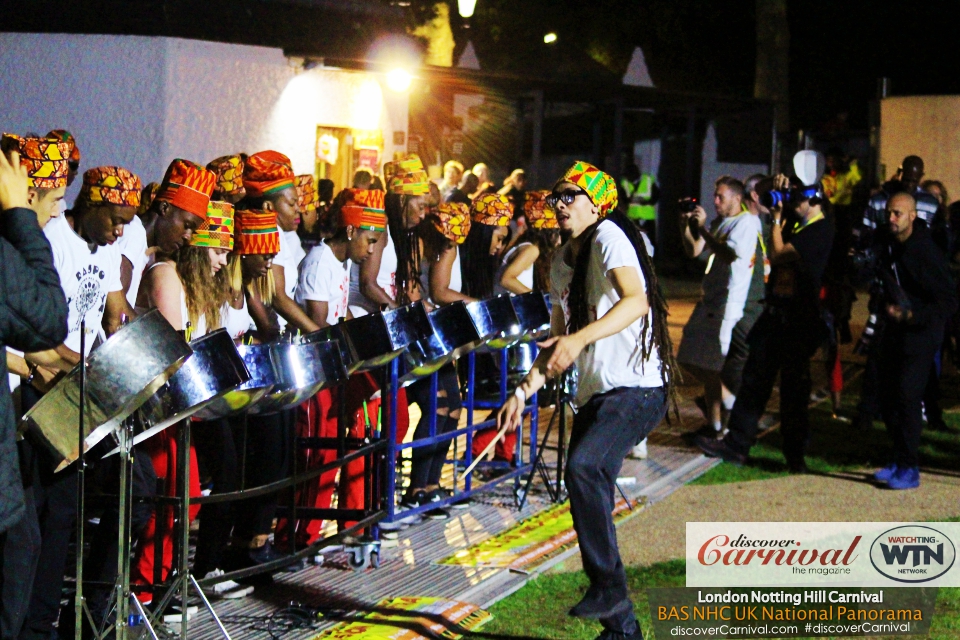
[539, 214]
[216, 230]
[453, 221]
[492, 209]
[407, 176]
[600, 186]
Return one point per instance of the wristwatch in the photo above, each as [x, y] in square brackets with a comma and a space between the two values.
[33, 372]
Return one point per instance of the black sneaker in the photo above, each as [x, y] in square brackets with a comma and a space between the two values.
[720, 449]
[437, 514]
[414, 499]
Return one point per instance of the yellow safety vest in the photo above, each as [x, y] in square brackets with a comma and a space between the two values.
[644, 190]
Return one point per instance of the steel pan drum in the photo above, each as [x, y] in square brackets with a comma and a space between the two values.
[452, 336]
[373, 340]
[495, 321]
[298, 372]
[256, 360]
[214, 369]
[121, 375]
[534, 315]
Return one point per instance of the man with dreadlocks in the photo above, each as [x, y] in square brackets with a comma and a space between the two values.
[612, 321]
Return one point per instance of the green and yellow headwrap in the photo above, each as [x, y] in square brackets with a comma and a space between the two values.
[600, 186]
[216, 230]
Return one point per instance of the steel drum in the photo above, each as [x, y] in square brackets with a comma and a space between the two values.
[534, 315]
[495, 321]
[214, 369]
[297, 371]
[453, 335]
[373, 340]
[121, 375]
[263, 378]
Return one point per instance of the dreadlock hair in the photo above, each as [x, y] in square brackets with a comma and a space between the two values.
[432, 241]
[405, 243]
[658, 335]
[477, 267]
[204, 295]
[545, 240]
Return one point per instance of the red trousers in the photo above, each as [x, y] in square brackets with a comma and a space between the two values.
[318, 417]
[162, 449]
[505, 450]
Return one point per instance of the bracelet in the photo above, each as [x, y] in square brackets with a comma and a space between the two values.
[521, 395]
[33, 373]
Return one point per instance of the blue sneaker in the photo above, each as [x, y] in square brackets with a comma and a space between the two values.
[906, 478]
[886, 473]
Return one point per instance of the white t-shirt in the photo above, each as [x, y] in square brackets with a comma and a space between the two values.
[236, 321]
[290, 256]
[323, 278]
[86, 277]
[133, 246]
[725, 287]
[456, 278]
[386, 279]
[614, 361]
[525, 277]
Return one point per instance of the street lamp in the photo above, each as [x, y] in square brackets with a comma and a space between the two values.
[466, 7]
[550, 38]
[399, 80]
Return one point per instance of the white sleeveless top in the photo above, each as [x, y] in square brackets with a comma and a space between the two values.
[525, 277]
[386, 280]
[236, 321]
[196, 331]
[456, 279]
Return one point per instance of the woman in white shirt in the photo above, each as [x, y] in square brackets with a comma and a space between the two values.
[526, 266]
[610, 317]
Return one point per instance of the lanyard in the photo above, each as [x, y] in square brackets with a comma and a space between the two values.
[797, 227]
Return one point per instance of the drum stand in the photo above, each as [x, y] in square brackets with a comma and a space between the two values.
[554, 490]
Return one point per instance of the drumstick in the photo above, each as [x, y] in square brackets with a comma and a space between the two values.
[490, 446]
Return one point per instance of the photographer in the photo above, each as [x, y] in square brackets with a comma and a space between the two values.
[789, 330]
[917, 299]
[731, 242]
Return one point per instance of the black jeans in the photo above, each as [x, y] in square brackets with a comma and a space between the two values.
[427, 462]
[903, 381]
[19, 554]
[268, 448]
[776, 345]
[218, 460]
[604, 431]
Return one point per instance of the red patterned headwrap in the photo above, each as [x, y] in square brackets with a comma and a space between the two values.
[363, 209]
[187, 186]
[492, 209]
[110, 185]
[407, 176]
[256, 233]
[45, 159]
[266, 173]
[539, 214]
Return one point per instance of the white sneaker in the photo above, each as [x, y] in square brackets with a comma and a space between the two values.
[640, 451]
[173, 614]
[227, 589]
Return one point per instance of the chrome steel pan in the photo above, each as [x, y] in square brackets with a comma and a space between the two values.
[534, 315]
[453, 334]
[300, 370]
[263, 378]
[122, 374]
[495, 321]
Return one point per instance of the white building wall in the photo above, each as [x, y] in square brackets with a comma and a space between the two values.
[711, 169]
[141, 102]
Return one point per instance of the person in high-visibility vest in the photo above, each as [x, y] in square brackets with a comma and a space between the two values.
[642, 194]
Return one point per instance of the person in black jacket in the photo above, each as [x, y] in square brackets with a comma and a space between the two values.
[33, 317]
[919, 299]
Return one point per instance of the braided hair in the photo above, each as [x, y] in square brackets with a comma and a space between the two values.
[405, 243]
[658, 335]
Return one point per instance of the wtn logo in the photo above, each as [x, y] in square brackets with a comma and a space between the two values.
[899, 554]
[912, 553]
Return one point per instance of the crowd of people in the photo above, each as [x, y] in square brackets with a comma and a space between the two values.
[245, 245]
[752, 323]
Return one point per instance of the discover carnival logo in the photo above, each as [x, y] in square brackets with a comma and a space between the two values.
[745, 551]
[912, 554]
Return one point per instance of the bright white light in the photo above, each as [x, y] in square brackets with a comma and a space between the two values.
[466, 7]
[550, 38]
[399, 80]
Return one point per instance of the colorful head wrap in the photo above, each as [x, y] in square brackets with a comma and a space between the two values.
[407, 177]
[454, 221]
[45, 159]
[307, 197]
[187, 186]
[492, 209]
[110, 185]
[539, 214]
[267, 172]
[147, 196]
[600, 186]
[256, 233]
[217, 229]
[229, 172]
[363, 209]
[65, 136]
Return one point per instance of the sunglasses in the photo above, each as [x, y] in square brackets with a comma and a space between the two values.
[567, 196]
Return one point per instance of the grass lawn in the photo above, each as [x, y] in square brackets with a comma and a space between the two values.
[539, 609]
[837, 447]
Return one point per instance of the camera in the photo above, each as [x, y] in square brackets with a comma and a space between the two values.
[687, 205]
[774, 197]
